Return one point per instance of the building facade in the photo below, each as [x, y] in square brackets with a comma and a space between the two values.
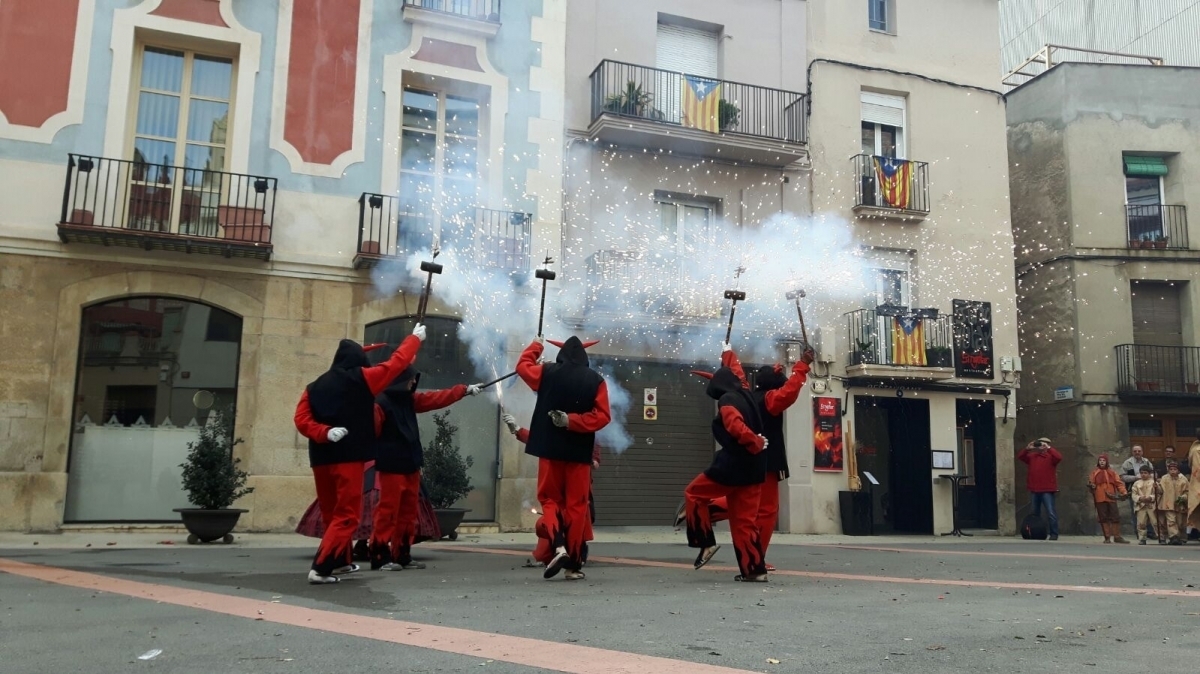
[793, 179]
[204, 195]
[1103, 170]
[207, 194]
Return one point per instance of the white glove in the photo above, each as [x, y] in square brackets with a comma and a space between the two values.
[540, 339]
[511, 422]
[473, 390]
[336, 434]
[559, 418]
[765, 441]
[419, 331]
[725, 346]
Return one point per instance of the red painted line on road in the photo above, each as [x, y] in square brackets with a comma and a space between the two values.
[822, 575]
[549, 655]
[1035, 555]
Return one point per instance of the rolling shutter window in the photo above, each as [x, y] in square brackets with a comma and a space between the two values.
[1145, 166]
[883, 109]
[1157, 319]
[693, 51]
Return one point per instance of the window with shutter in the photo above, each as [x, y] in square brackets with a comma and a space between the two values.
[682, 49]
[883, 121]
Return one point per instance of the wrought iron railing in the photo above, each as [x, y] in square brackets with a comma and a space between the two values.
[1157, 226]
[496, 239]
[1149, 370]
[876, 337]
[900, 184]
[484, 10]
[136, 196]
[629, 90]
[650, 284]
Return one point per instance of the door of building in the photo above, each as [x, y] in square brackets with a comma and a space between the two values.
[1154, 432]
[894, 445]
[977, 457]
[1158, 334]
[644, 484]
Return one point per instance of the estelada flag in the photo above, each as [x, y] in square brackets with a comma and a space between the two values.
[908, 341]
[701, 103]
[895, 180]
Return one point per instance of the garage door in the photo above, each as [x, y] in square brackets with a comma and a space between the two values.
[644, 485]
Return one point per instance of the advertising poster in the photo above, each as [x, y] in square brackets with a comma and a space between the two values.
[827, 434]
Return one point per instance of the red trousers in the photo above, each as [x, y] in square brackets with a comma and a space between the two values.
[339, 495]
[544, 552]
[768, 509]
[395, 525]
[743, 509]
[563, 488]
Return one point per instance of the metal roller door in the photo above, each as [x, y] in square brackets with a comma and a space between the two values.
[643, 486]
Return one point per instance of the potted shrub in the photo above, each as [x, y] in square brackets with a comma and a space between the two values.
[633, 100]
[864, 353]
[939, 356]
[1160, 241]
[445, 475]
[1135, 243]
[213, 481]
[728, 115]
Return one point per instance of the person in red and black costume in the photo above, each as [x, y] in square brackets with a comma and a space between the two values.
[398, 462]
[737, 473]
[572, 404]
[774, 394]
[337, 415]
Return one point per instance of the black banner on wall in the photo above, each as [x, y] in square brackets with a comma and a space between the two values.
[973, 340]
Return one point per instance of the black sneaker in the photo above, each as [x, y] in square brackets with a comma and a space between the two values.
[560, 560]
[705, 555]
[1054, 537]
[752, 578]
[680, 515]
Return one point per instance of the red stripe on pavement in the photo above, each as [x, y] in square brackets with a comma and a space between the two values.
[547, 655]
[821, 575]
[1036, 555]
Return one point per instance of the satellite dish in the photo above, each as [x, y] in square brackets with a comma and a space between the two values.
[203, 400]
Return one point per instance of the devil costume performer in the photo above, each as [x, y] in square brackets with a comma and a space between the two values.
[774, 394]
[398, 461]
[572, 404]
[737, 472]
[337, 415]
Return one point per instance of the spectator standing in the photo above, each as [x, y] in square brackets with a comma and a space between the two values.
[1042, 479]
[1130, 470]
[1172, 505]
[1169, 456]
[1107, 488]
[1145, 493]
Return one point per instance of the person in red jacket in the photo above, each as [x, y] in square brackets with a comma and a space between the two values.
[398, 460]
[1042, 479]
[774, 394]
[543, 553]
[336, 413]
[737, 472]
[572, 404]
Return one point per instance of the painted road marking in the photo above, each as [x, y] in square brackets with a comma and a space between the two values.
[549, 655]
[1035, 555]
[823, 575]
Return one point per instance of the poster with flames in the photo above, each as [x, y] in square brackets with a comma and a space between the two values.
[827, 435]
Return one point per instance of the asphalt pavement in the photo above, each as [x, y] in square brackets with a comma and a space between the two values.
[97, 601]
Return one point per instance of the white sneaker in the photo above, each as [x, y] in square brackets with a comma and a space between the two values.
[317, 579]
[414, 565]
[391, 566]
[574, 575]
[560, 558]
[349, 568]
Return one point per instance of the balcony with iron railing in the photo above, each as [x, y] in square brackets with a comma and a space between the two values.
[889, 187]
[894, 342]
[494, 239]
[1156, 226]
[643, 107]
[481, 17]
[1145, 370]
[621, 282]
[117, 202]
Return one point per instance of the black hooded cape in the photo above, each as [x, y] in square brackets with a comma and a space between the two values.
[768, 379]
[399, 446]
[341, 397]
[570, 386]
[734, 465]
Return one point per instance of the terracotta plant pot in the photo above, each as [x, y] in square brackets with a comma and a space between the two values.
[1193, 388]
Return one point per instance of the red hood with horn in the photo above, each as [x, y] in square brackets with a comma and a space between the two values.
[586, 345]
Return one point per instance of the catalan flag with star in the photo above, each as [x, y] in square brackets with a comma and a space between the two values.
[895, 180]
[908, 341]
[701, 103]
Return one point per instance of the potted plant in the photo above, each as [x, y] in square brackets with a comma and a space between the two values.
[939, 356]
[1160, 241]
[445, 475]
[1193, 387]
[213, 481]
[1135, 243]
[633, 100]
[728, 115]
[864, 353]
